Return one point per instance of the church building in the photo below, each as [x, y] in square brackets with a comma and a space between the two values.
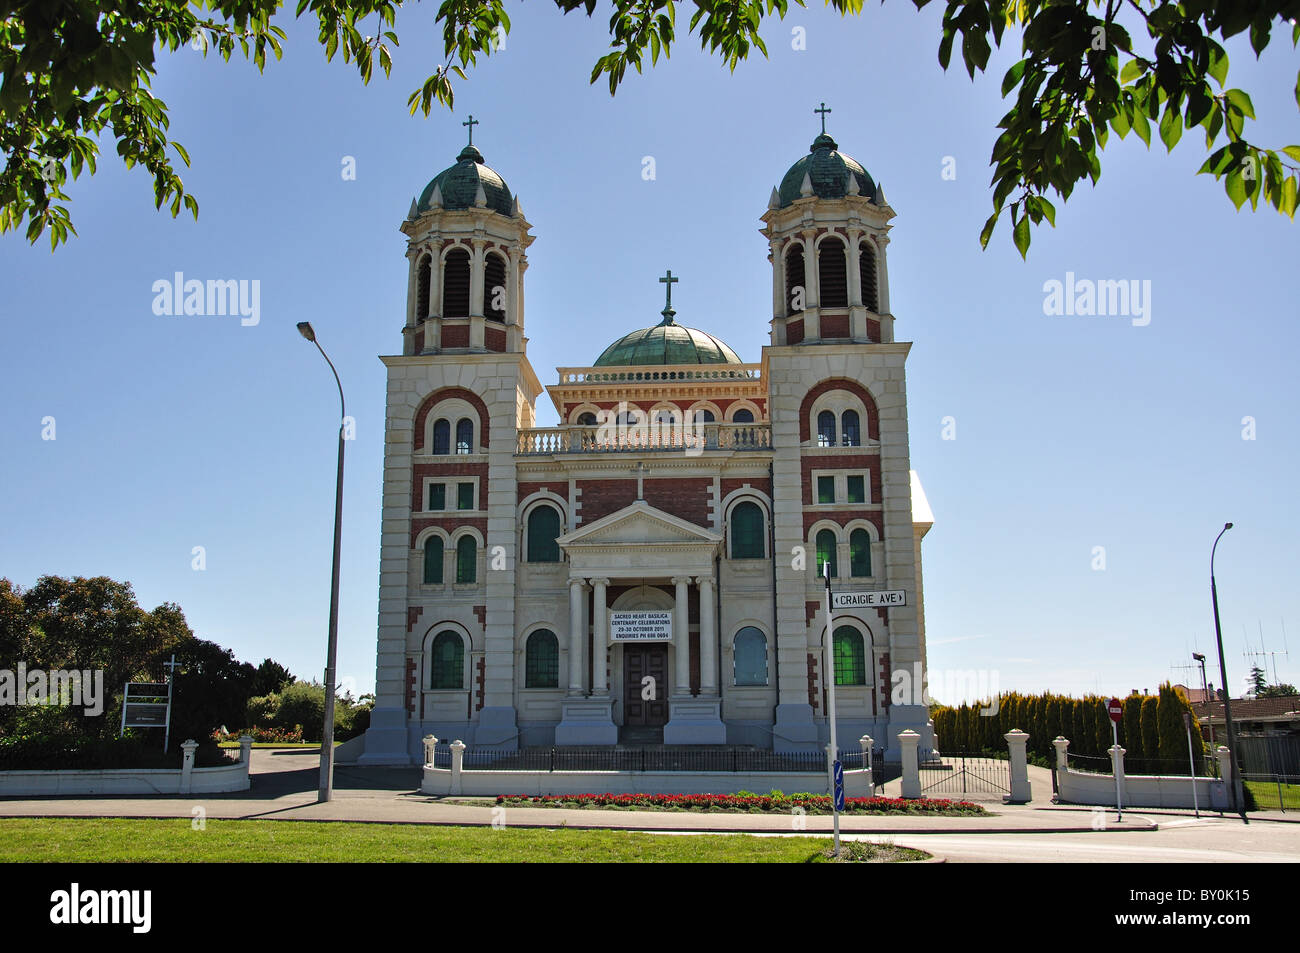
[650, 570]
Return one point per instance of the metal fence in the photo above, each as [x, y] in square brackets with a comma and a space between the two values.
[557, 758]
[1269, 754]
[1273, 792]
[966, 773]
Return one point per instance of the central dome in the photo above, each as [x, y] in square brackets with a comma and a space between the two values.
[667, 343]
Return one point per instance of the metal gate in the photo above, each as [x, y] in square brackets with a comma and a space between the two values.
[965, 773]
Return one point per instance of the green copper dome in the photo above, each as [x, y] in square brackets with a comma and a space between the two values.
[828, 171]
[459, 185]
[667, 343]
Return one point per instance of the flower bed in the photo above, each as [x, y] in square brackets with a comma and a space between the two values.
[746, 803]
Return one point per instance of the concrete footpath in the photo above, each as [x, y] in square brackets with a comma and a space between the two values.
[285, 782]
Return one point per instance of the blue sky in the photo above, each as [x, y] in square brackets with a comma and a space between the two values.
[1071, 432]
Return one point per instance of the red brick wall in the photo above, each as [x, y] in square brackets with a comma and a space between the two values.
[494, 338]
[843, 517]
[813, 694]
[839, 383]
[447, 523]
[835, 325]
[559, 488]
[419, 340]
[421, 470]
[443, 394]
[834, 461]
[686, 498]
[729, 486]
[455, 335]
[794, 331]
[873, 330]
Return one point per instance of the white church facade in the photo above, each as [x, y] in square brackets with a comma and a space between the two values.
[649, 571]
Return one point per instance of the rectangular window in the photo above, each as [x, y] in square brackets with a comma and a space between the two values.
[857, 489]
[826, 489]
[464, 496]
[437, 496]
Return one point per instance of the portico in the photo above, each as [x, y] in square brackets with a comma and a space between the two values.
[647, 554]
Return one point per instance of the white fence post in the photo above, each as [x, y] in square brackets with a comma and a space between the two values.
[246, 749]
[1017, 741]
[187, 766]
[457, 759]
[1062, 746]
[908, 741]
[430, 742]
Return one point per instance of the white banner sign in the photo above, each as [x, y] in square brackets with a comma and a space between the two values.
[868, 600]
[648, 625]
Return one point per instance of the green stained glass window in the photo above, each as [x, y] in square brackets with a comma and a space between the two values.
[859, 553]
[747, 531]
[448, 664]
[826, 489]
[850, 657]
[433, 561]
[751, 657]
[464, 496]
[543, 530]
[826, 553]
[466, 560]
[857, 488]
[542, 660]
[437, 496]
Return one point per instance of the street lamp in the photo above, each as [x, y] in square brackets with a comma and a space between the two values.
[1205, 693]
[327, 736]
[1238, 799]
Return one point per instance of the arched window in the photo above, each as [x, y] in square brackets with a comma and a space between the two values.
[832, 274]
[850, 657]
[751, 657]
[704, 416]
[826, 554]
[433, 561]
[494, 287]
[455, 284]
[448, 661]
[826, 429]
[464, 435]
[666, 417]
[542, 660]
[466, 560]
[794, 278]
[441, 436]
[422, 288]
[867, 272]
[859, 553]
[851, 429]
[747, 531]
[543, 530]
[743, 416]
[587, 420]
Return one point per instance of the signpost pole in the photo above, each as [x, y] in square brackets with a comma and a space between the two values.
[832, 751]
[1191, 761]
[1119, 806]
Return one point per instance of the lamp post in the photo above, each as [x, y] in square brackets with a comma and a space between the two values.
[327, 736]
[1205, 693]
[1238, 800]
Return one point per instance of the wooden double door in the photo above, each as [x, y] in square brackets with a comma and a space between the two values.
[645, 685]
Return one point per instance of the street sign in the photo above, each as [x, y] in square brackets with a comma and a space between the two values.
[1115, 708]
[837, 772]
[869, 600]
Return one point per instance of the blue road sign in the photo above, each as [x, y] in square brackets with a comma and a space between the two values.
[837, 773]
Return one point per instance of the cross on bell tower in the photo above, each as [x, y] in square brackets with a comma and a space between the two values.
[823, 110]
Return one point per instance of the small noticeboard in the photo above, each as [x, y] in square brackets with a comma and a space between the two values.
[869, 600]
[649, 625]
[1115, 708]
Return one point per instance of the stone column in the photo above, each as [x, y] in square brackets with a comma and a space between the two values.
[599, 638]
[457, 764]
[855, 272]
[811, 291]
[778, 278]
[187, 765]
[430, 746]
[1017, 741]
[708, 639]
[908, 741]
[682, 636]
[577, 590]
[1062, 747]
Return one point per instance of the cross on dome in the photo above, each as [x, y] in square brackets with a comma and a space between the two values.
[668, 280]
[472, 122]
[823, 110]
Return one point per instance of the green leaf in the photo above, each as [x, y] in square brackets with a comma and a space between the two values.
[1142, 126]
[1235, 188]
[1020, 235]
[987, 231]
[1171, 128]
[1292, 151]
[1239, 99]
[1012, 78]
[1218, 64]
[1131, 71]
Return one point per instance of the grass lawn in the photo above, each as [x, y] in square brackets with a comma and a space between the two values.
[1266, 795]
[129, 839]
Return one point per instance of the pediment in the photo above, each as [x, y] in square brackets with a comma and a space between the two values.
[639, 524]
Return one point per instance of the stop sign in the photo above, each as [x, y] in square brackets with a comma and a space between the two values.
[1115, 708]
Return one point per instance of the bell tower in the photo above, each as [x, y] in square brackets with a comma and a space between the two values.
[827, 227]
[467, 239]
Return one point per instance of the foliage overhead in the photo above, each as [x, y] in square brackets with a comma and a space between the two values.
[73, 72]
